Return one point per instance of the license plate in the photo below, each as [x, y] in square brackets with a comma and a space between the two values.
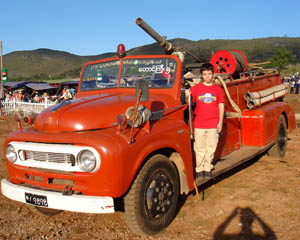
[37, 200]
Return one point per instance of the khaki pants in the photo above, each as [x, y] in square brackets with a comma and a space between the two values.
[206, 141]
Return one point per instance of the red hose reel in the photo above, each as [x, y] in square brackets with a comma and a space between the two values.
[232, 62]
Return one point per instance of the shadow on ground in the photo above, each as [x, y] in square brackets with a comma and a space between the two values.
[246, 217]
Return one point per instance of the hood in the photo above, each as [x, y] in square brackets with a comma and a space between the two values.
[85, 113]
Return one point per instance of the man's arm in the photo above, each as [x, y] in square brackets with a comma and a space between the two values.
[221, 116]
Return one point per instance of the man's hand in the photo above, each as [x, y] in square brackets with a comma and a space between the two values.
[219, 127]
[221, 116]
[187, 95]
[187, 92]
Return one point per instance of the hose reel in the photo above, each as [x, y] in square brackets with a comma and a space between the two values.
[232, 62]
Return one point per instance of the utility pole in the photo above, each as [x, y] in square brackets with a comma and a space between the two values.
[2, 87]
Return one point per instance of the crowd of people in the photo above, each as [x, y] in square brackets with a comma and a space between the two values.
[294, 83]
[22, 95]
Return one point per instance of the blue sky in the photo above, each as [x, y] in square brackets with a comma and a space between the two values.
[93, 27]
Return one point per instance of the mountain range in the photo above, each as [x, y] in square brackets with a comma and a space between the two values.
[51, 64]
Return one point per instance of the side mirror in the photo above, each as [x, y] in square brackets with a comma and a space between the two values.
[144, 86]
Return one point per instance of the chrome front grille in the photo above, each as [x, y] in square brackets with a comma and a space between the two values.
[64, 158]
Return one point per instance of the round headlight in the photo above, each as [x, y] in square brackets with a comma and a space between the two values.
[10, 153]
[86, 160]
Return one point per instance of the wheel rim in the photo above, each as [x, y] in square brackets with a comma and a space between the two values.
[282, 138]
[159, 196]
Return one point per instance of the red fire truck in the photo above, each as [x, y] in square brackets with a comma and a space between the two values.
[127, 138]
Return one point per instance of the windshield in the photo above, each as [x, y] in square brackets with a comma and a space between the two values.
[159, 72]
[100, 75]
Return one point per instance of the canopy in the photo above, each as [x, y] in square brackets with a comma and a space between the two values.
[70, 83]
[14, 84]
[39, 86]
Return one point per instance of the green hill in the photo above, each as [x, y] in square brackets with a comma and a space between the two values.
[45, 64]
[51, 64]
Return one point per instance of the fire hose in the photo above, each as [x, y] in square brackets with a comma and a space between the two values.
[238, 112]
[255, 99]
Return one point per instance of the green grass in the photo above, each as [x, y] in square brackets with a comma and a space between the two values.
[291, 69]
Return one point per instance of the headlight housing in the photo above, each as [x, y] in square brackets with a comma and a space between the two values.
[86, 160]
[11, 153]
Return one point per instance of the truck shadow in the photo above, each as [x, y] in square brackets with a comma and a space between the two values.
[227, 174]
[247, 218]
[217, 179]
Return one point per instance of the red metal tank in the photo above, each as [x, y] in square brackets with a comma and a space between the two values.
[233, 62]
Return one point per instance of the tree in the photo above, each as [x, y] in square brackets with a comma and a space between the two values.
[281, 58]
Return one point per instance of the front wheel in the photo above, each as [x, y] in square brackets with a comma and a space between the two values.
[151, 203]
[279, 149]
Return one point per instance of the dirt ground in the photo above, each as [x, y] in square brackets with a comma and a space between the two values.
[259, 200]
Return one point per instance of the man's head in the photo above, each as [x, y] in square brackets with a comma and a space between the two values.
[206, 67]
[207, 72]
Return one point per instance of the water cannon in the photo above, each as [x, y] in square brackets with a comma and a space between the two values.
[166, 45]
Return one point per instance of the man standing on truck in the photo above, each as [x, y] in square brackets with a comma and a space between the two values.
[208, 121]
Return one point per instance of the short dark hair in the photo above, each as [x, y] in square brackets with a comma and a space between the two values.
[207, 67]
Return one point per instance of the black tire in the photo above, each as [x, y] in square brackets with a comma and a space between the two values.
[48, 211]
[151, 203]
[279, 149]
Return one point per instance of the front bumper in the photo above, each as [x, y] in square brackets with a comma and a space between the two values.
[55, 200]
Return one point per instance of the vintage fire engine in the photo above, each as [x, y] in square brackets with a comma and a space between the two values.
[128, 137]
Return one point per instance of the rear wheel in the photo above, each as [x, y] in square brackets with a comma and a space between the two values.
[151, 203]
[279, 149]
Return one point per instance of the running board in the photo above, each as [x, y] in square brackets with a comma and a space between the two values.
[233, 160]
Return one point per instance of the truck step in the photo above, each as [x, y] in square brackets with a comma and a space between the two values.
[233, 160]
